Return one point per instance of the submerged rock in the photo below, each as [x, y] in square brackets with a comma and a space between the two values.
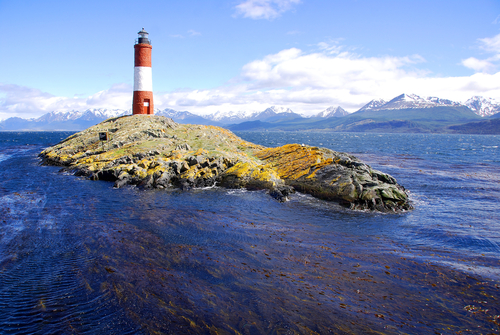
[155, 152]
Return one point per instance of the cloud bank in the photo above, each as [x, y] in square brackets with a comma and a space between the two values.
[306, 82]
[309, 82]
[26, 102]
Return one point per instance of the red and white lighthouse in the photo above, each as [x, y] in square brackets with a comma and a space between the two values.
[143, 76]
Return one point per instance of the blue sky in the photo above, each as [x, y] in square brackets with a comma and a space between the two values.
[241, 55]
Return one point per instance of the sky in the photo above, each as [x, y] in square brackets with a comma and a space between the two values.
[246, 55]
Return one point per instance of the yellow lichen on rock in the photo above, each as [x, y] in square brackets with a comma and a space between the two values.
[156, 169]
[200, 151]
[253, 171]
[292, 161]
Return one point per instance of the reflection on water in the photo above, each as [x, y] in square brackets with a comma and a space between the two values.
[77, 256]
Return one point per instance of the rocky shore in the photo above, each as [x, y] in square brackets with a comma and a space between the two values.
[155, 152]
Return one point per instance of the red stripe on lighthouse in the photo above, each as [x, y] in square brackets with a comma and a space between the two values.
[142, 102]
[143, 55]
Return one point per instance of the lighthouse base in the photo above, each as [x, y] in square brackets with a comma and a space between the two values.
[142, 103]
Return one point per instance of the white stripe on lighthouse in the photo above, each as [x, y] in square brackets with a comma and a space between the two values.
[143, 78]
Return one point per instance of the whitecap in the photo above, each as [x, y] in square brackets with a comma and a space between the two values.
[4, 157]
[483, 271]
[18, 207]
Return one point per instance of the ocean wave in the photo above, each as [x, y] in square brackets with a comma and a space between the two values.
[16, 209]
[4, 157]
[492, 273]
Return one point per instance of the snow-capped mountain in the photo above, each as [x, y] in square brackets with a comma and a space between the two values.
[88, 114]
[443, 102]
[278, 110]
[63, 120]
[483, 106]
[479, 105]
[79, 120]
[173, 114]
[272, 113]
[332, 112]
[374, 104]
[230, 117]
[405, 101]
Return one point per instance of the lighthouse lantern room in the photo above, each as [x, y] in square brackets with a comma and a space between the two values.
[143, 79]
[143, 37]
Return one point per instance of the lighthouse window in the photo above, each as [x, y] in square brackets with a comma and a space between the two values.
[146, 104]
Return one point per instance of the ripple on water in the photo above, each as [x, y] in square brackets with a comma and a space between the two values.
[42, 259]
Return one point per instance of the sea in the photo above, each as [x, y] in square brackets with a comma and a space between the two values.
[80, 257]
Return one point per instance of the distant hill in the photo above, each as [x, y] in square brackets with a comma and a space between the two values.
[186, 117]
[404, 113]
[77, 120]
[252, 125]
[495, 116]
[486, 127]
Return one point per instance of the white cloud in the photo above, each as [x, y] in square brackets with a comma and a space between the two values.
[192, 32]
[490, 64]
[478, 65]
[118, 96]
[264, 9]
[491, 44]
[292, 68]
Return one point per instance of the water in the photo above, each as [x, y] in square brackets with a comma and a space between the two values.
[77, 256]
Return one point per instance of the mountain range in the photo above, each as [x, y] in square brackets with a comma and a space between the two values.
[404, 113]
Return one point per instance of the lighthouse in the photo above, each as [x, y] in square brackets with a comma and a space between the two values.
[143, 77]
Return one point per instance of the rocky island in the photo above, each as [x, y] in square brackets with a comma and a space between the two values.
[156, 152]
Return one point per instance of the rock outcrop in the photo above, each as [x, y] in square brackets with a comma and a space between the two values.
[155, 152]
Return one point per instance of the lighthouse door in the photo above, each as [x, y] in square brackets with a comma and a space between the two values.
[146, 107]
